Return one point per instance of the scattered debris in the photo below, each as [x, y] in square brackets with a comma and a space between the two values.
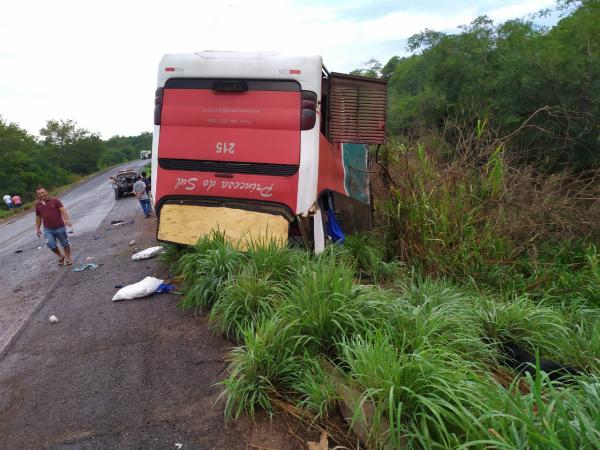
[165, 288]
[18, 251]
[90, 266]
[178, 445]
[148, 253]
[131, 242]
[89, 258]
[116, 223]
[323, 443]
[39, 248]
[53, 319]
[18, 288]
[140, 289]
[70, 230]
[118, 286]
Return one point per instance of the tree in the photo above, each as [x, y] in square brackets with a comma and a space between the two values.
[62, 133]
[508, 74]
[372, 69]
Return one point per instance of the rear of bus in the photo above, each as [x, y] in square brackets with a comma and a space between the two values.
[228, 150]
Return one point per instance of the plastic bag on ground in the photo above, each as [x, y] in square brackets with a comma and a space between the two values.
[140, 289]
[148, 253]
[165, 288]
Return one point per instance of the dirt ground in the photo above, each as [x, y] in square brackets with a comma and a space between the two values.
[135, 374]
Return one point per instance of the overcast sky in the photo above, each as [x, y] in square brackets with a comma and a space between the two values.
[95, 62]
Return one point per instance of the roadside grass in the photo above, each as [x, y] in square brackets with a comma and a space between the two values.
[422, 351]
[6, 213]
[414, 322]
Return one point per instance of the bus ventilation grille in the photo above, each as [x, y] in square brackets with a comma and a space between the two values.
[357, 109]
[281, 170]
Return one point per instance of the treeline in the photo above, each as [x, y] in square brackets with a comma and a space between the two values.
[534, 89]
[63, 152]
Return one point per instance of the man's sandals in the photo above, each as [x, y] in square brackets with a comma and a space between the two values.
[62, 262]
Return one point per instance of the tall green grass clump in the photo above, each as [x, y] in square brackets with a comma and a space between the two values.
[434, 313]
[369, 258]
[265, 366]
[320, 300]
[431, 397]
[255, 292]
[434, 217]
[206, 268]
[242, 302]
[484, 221]
[584, 326]
[533, 326]
[547, 416]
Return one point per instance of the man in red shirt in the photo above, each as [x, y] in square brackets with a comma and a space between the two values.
[52, 213]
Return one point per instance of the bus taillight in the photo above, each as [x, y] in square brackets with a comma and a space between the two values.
[309, 110]
[158, 97]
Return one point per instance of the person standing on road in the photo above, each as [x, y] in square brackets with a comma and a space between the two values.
[139, 189]
[52, 213]
[16, 201]
[8, 200]
[148, 183]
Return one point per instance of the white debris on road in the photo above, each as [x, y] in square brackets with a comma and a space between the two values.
[148, 253]
[53, 319]
[140, 289]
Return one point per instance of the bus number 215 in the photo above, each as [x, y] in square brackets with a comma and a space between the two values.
[225, 147]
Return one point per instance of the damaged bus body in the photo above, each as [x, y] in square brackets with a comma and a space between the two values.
[262, 145]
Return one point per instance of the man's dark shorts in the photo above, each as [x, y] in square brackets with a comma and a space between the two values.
[53, 234]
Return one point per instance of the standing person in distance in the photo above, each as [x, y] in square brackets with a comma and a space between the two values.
[146, 179]
[16, 200]
[8, 200]
[139, 189]
[52, 213]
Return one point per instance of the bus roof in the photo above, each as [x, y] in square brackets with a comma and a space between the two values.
[253, 65]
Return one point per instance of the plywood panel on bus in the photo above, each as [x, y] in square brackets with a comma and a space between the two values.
[185, 224]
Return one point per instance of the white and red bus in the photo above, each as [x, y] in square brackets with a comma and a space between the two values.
[257, 144]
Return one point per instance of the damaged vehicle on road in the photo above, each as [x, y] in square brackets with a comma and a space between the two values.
[123, 183]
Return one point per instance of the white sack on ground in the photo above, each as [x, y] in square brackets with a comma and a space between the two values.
[148, 253]
[140, 289]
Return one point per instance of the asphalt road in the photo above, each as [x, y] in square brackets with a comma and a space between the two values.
[136, 374]
[25, 276]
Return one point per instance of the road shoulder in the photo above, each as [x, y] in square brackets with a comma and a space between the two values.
[131, 374]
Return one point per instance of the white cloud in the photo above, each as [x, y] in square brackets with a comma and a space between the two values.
[96, 62]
